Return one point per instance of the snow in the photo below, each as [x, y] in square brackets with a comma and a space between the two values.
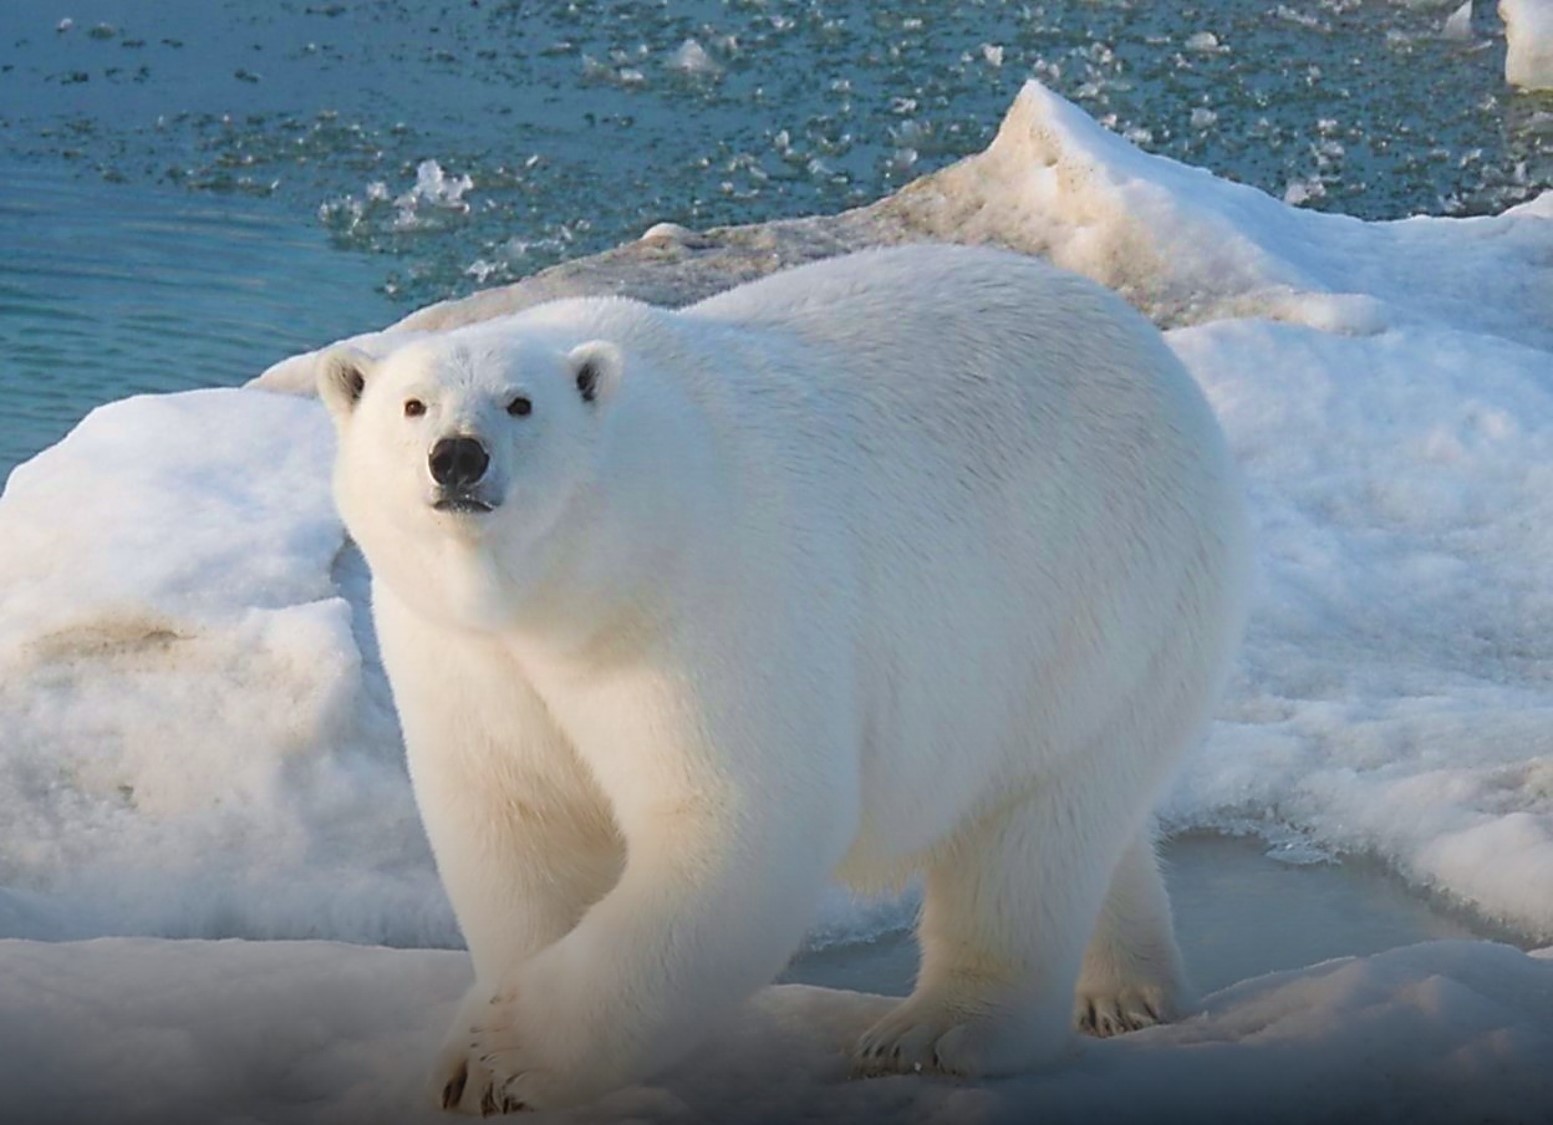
[162, 1033]
[186, 721]
[196, 739]
[1528, 33]
[1394, 695]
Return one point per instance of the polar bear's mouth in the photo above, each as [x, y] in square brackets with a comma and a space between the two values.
[462, 502]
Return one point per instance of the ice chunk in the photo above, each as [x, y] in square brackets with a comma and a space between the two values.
[1458, 25]
[692, 58]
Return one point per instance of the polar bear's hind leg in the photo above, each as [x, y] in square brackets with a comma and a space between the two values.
[1007, 909]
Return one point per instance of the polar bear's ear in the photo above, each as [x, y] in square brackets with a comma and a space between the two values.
[343, 372]
[596, 368]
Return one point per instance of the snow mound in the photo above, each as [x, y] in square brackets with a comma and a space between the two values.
[1186, 246]
[163, 1033]
[190, 739]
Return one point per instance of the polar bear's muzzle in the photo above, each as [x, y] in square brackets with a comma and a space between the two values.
[458, 465]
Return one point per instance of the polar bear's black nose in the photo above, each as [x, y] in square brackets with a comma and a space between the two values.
[458, 462]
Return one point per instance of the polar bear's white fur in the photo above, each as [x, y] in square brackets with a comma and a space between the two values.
[920, 561]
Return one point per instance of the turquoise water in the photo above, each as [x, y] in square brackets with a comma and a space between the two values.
[107, 291]
[193, 188]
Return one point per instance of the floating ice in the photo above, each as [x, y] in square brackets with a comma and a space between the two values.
[425, 207]
[1300, 192]
[692, 58]
[434, 188]
[1458, 25]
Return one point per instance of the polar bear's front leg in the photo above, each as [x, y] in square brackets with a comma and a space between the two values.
[522, 834]
[722, 878]
[524, 846]
[519, 882]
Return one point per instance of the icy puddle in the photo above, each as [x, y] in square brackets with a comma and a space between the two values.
[1239, 913]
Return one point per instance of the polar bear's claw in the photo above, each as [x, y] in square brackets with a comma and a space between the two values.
[916, 1053]
[493, 1103]
[963, 1036]
[905, 1042]
[453, 1090]
[1128, 1010]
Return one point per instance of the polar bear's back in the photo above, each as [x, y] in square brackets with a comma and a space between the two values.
[975, 380]
[1002, 349]
[1037, 497]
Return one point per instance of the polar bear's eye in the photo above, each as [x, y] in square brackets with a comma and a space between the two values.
[520, 406]
[414, 408]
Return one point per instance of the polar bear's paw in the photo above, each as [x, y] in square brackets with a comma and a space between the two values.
[1118, 1011]
[458, 1081]
[519, 1054]
[481, 1068]
[926, 1036]
[468, 1087]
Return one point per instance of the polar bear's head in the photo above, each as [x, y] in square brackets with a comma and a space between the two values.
[466, 462]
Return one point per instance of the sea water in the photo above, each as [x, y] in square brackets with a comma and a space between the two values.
[191, 190]
[108, 290]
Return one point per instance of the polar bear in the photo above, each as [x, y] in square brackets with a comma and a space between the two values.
[925, 562]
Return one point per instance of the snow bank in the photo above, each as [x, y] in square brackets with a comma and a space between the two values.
[1187, 247]
[163, 1033]
[191, 741]
[1528, 33]
[1394, 695]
